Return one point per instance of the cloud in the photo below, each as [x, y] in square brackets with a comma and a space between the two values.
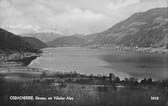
[77, 20]
[68, 16]
[115, 5]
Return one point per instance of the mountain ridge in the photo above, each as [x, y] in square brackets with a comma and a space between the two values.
[44, 36]
[35, 42]
[67, 41]
[144, 29]
[10, 43]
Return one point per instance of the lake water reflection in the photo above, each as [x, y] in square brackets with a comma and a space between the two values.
[103, 61]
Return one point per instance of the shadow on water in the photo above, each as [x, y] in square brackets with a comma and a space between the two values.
[140, 64]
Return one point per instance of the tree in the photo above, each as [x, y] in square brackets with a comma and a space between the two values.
[117, 79]
[149, 81]
[143, 81]
[146, 81]
[112, 77]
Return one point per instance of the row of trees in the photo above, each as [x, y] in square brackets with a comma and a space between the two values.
[134, 81]
[99, 79]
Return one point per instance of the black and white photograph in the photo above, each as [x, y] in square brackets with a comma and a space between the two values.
[83, 52]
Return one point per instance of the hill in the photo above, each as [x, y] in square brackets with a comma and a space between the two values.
[34, 42]
[144, 29]
[10, 43]
[67, 41]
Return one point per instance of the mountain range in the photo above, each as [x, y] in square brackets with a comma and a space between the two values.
[144, 29]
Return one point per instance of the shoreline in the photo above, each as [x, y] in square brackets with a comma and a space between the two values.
[26, 60]
[29, 57]
[15, 67]
[94, 88]
[159, 50]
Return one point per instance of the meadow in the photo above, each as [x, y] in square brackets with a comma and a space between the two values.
[85, 94]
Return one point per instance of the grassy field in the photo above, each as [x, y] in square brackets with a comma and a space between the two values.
[82, 94]
[78, 89]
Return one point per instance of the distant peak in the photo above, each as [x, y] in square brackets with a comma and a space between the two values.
[50, 31]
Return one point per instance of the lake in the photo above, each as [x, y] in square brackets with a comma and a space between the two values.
[103, 61]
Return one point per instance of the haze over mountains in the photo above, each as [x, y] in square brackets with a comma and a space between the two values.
[145, 29]
[45, 36]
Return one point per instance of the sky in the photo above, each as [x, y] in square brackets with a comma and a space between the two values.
[69, 16]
